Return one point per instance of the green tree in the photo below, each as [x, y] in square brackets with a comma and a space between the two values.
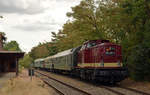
[127, 24]
[12, 46]
[51, 47]
[26, 61]
[43, 50]
[4, 37]
[84, 26]
[138, 11]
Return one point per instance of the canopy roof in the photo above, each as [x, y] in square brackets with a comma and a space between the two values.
[13, 54]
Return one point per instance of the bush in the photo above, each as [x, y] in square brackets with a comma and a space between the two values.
[139, 63]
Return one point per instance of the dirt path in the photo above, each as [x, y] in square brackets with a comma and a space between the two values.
[5, 77]
[22, 85]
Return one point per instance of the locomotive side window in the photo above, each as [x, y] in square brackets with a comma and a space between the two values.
[110, 50]
[91, 44]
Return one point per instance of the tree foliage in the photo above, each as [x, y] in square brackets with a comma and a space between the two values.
[43, 50]
[26, 61]
[12, 46]
[138, 39]
[4, 37]
[84, 26]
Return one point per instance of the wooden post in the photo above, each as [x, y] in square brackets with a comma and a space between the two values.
[17, 68]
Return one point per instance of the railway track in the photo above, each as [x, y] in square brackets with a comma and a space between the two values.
[57, 90]
[118, 90]
[114, 91]
[134, 90]
[81, 92]
[125, 90]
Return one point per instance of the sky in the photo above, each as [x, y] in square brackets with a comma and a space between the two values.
[32, 21]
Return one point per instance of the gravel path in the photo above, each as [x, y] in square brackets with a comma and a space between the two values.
[5, 77]
[22, 85]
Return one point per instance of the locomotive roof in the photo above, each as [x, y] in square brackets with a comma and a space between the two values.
[66, 52]
[106, 44]
[98, 41]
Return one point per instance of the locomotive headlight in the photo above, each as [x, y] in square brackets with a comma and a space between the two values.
[107, 49]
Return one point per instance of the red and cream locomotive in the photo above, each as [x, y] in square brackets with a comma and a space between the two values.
[102, 60]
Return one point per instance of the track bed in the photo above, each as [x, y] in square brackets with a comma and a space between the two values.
[92, 88]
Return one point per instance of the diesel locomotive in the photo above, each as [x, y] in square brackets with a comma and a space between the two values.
[94, 60]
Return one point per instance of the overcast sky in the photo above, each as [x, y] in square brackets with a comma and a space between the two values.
[32, 21]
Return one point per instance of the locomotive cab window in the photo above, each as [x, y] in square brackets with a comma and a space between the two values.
[91, 44]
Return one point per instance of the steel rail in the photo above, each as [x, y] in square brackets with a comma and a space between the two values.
[77, 89]
[134, 90]
[105, 87]
[57, 90]
[114, 91]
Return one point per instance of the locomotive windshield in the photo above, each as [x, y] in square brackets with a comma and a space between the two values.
[110, 51]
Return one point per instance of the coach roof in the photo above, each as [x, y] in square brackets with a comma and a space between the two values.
[64, 53]
[40, 59]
